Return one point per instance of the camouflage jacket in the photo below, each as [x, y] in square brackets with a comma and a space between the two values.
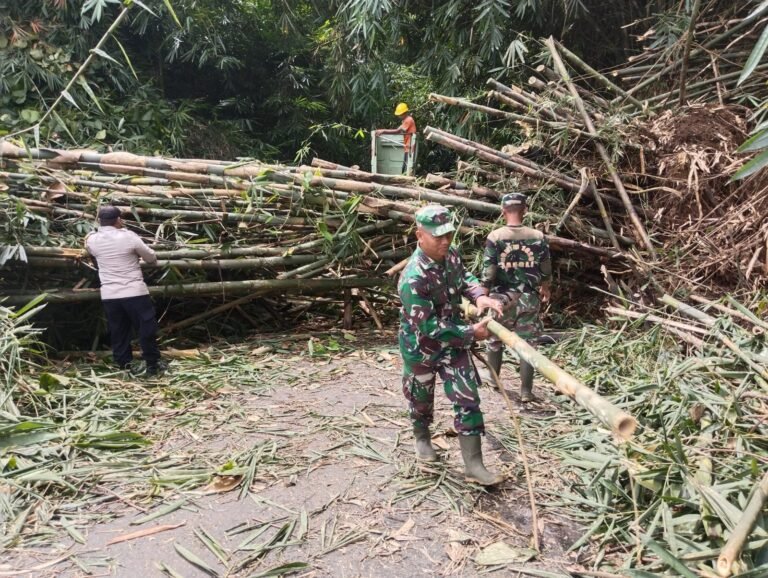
[430, 316]
[516, 260]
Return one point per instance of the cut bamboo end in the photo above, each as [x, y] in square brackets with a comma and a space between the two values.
[625, 428]
[724, 566]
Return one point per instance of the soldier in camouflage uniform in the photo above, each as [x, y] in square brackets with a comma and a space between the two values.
[435, 340]
[516, 271]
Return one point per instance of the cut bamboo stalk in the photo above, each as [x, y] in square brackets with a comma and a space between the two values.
[475, 189]
[617, 420]
[762, 372]
[670, 323]
[740, 533]
[601, 149]
[465, 167]
[222, 287]
[515, 163]
[755, 321]
[525, 107]
[553, 80]
[368, 307]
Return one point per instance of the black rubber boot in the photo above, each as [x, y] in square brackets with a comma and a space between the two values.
[526, 381]
[474, 469]
[425, 452]
[494, 361]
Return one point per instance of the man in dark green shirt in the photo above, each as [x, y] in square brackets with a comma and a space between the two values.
[434, 339]
[516, 272]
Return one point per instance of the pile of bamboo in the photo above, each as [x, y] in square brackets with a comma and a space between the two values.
[231, 229]
[624, 176]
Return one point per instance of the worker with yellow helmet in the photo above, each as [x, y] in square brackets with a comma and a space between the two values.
[407, 128]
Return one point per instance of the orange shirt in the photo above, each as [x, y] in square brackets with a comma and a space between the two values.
[409, 128]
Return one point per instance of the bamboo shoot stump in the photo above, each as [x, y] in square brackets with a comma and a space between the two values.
[617, 420]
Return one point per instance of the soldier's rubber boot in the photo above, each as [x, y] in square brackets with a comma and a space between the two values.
[474, 470]
[494, 359]
[526, 381]
[425, 452]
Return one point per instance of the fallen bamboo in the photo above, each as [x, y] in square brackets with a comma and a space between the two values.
[213, 288]
[595, 75]
[532, 120]
[601, 149]
[762, 372]
[756, 322]
[189, 321]
[740, 533]
[617, 420]
[670, 323]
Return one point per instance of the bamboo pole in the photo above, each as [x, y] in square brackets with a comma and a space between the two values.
[594, 74]
[617, 420]
[670, 323]
[601, 149]
[740, 533]
[687, 51]
[756, 322]
[510, 115]
[222, 287]
[762, 372]
[189, 321]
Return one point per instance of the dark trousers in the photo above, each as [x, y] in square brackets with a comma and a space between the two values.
[126, 316]
[405, 162]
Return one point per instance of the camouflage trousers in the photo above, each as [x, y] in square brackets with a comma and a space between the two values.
[521, 315]
[460, 381]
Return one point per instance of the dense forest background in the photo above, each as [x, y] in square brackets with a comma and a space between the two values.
[284, 79]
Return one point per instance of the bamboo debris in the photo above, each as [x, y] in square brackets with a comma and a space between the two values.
[618, 421]
[639, 227]
[740, 533]
[269, 220]
[262, 286]
[595, 75]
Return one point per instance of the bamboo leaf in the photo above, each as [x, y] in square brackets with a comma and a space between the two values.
[282, 570]
[169, 6]
[65, 94]
[145, 7]
[172, 507]
[668, 559]
[125, 56]
[19, 313]
[757, 141]
[755, 57]
[103, 54]
[753, 166]
[195, 560]
[87, 87]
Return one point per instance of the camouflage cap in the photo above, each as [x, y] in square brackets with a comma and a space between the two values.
[435, 220]
[108, 214]
[511, 200]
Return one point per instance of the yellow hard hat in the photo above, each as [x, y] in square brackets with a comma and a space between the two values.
[402, 108]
